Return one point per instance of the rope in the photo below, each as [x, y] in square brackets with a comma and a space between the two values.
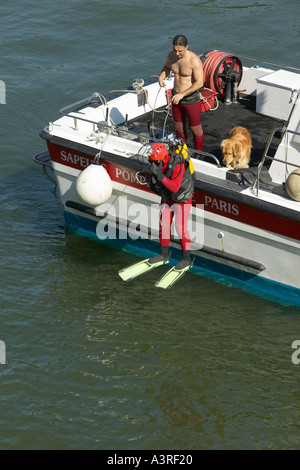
[102, 98]
[216, 101]
[165, 110]
[103, 101]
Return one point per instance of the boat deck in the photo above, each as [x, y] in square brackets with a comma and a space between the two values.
[217, 123]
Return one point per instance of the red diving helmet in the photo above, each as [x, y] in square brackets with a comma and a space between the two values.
[158, 152]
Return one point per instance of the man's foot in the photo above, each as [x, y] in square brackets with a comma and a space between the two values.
[164, 255]
[183, 264]
[186, 260]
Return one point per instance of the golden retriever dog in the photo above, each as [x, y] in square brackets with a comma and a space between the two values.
[237, 149]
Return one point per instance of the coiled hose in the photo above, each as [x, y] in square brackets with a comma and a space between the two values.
[219, 68]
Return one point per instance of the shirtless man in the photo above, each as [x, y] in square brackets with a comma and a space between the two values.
[188, 79]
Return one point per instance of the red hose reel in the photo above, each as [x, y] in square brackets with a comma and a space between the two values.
[221, 72]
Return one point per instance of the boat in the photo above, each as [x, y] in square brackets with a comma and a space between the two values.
[245, 223]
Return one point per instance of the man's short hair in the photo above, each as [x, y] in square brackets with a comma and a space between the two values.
[180, 40]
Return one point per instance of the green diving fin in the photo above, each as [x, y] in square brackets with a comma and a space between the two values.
[142, 267]
[173, 275]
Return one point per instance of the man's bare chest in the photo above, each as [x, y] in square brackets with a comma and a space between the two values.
[183, 69]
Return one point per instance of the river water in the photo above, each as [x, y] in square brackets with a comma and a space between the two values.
[91, 362]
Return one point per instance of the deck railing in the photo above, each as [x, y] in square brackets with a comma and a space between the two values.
[268, 157]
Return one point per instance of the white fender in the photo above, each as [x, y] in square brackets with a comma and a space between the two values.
[292, 185]
[93, 185]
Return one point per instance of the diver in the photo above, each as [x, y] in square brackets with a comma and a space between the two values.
[173, 179]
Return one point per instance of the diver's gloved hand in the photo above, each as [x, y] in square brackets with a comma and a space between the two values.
[157, 170]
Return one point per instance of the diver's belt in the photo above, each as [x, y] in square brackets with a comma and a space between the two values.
[194, 97]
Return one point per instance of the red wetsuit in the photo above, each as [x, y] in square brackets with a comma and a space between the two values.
[170, 207]
[191, 111]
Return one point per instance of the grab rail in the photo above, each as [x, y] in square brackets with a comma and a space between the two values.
[101, 99]
[65, 111]
[268, 157]
[199, 154]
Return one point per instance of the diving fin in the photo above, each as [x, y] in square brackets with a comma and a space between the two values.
[142, 267]
[173, 275]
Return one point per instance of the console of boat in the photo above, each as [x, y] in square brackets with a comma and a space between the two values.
[244, 223]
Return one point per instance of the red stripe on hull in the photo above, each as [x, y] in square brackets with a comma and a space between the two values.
[80, 161]
[249, 215]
